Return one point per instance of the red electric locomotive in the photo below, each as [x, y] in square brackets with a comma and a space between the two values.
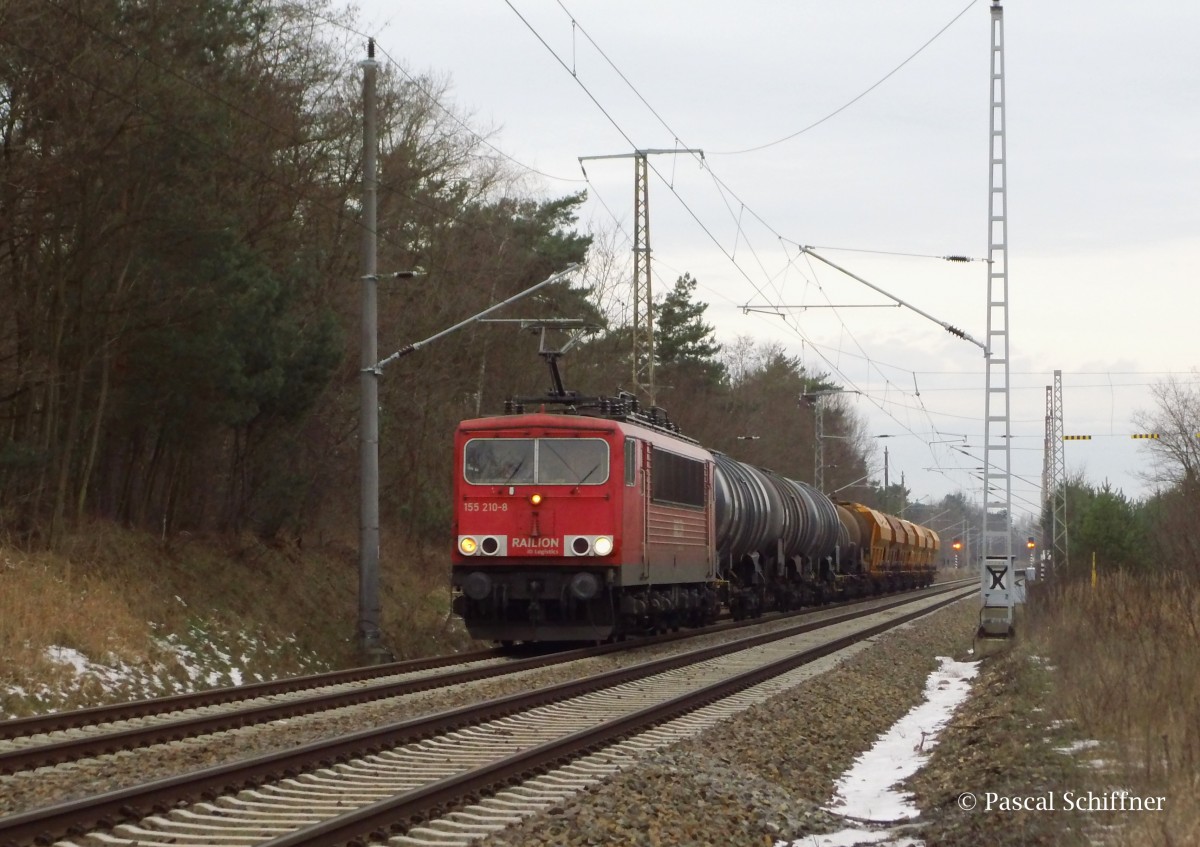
[602, 521]
[572, 527]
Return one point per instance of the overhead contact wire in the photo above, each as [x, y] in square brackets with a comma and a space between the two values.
[846, 106]
[704, 228]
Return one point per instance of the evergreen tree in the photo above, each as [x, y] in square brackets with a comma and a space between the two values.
[1110, 525]
[681, 337]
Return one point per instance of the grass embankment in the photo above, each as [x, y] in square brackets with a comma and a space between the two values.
[150, 618]
[1127, 655]
[1005, 741]
[1099, 693]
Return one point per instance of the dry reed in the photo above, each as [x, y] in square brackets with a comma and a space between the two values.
[1127, 654]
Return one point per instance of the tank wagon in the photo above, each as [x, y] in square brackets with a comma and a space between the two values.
[607, 522]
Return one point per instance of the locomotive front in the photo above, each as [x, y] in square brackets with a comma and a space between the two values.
[537, 526]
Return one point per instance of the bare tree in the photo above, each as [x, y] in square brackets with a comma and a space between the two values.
[607, 275]
[1175, 454]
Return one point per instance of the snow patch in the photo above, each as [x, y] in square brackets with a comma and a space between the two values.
[1077, 746]
[204, 655]
[867, 793]
[69, 656]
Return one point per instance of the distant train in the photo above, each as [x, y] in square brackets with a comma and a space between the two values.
[587, 526]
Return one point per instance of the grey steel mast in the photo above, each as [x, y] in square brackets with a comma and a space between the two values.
[1058, 483]
[643, 296]
[369, 634]
[996, 573]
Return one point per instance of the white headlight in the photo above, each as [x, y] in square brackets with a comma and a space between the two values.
[603, 545]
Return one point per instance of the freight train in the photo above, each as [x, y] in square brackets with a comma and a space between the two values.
[603, 521]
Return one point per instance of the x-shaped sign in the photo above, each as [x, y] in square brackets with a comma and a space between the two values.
[997, 574]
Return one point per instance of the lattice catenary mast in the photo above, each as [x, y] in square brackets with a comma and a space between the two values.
[996, 616]
[1058, 482]
[1047, 460]
[1054, 483]
[643, 296]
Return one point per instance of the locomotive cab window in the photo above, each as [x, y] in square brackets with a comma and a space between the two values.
[630, 461]
[676, 479]
[535, 461]
[572, 461]
[499, 461]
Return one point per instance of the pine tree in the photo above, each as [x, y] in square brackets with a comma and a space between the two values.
[681, 337]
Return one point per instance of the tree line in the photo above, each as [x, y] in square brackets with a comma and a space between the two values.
[179, 256]
[180, 236]
[1162, 531]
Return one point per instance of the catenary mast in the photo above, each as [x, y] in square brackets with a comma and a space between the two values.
[642, 354]
[996, 573]
[1058, 482]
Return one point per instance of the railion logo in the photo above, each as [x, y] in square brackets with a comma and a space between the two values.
[534, 543]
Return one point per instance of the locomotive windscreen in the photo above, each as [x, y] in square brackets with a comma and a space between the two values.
[536, 461]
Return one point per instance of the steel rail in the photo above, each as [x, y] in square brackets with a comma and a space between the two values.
[72, 749]
[41, 724]
[393, 816]
[107, 810]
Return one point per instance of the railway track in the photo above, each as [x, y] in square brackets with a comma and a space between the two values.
[383, 780]
[42, 741]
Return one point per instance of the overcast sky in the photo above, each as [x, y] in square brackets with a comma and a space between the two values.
[1103, 172]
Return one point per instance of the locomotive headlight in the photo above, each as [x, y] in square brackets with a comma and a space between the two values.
[467, 545]
[603, 545]
[535, 499]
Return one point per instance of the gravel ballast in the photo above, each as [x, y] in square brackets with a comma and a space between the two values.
[28, 790]
[765, 775]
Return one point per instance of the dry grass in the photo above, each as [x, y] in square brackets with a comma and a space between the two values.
[42, 603]
[1128, 673]
[226, 606]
